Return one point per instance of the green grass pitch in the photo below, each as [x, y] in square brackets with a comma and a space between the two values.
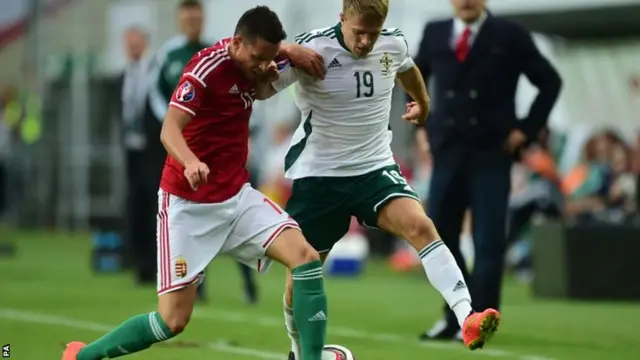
[49, 296]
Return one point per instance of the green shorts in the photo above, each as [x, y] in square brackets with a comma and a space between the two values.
[323, 206]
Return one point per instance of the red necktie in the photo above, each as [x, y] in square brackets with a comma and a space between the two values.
[462, 45]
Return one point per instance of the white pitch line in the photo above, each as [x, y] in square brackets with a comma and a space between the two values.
[237, 317]
[48, 319]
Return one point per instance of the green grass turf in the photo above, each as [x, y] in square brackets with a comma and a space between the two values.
[49, 296]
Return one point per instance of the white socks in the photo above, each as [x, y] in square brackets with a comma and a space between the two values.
[445, 275]
[292, 330]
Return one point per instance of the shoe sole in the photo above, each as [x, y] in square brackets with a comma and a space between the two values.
[488, 327]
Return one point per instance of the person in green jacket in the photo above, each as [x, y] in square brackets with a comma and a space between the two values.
[174, 54]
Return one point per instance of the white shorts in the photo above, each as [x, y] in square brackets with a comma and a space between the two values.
[190, 235]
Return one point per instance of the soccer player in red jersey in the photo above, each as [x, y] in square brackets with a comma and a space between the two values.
[206, 205]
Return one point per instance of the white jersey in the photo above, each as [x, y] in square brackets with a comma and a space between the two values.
[345, 127]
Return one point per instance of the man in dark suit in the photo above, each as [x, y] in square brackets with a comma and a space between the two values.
[475, 60]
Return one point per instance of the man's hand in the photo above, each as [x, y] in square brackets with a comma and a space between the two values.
[415, 113]
[515, 140]
[306, 60]
[270, 74]
[196, 173]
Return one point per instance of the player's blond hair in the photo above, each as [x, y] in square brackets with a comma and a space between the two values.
[371, 10]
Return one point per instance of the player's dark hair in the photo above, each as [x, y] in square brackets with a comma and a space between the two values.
[189, 4]
[261, 22]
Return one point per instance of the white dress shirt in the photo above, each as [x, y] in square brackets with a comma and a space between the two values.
[459, 26]
[134, 94]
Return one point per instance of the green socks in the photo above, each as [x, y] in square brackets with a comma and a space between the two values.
[136, 334]
[309, 309]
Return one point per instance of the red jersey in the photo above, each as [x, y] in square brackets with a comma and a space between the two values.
[219, 97]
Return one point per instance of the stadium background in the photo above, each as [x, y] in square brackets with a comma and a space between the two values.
[573, 289]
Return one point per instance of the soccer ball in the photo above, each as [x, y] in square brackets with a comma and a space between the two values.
[337, 352]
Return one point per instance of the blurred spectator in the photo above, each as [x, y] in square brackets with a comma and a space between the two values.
[586, 186]
[4, 154]
[174, 54]
[635, 160]
[622, 192]
[135, 79]
[139, 144]
[535, 187]
[636, 170]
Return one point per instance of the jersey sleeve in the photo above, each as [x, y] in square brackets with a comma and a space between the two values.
[197, 77]
[288, 75]
[406, 62]
[188, 95]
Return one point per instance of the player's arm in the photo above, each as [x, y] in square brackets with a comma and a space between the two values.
[265, 91]
[286, 76]
[304, 58]
[185, 103]
[412, 82]
[171, 135]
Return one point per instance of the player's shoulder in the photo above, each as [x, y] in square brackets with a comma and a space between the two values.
[208, 63]
[393, 36]
[393, 40]
[314, 37]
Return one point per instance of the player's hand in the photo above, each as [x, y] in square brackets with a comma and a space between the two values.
[307, 60]
[415, 113]
[270, 74]
[196, 173]
[515, 141]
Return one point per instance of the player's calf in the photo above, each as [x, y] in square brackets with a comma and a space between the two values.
[308, 300]
[140, 332]
[406, 218]
[289, 321]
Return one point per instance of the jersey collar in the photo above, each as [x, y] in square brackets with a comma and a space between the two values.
[338, 31]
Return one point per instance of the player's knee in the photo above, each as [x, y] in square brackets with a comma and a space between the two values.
[175, 309]
[176, 321]
[308, 254]
[304, 255]
[292, 250]
[419, 231]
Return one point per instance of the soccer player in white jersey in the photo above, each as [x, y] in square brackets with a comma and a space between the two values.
[341, 162]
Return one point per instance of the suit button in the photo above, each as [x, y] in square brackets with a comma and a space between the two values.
[473, 94]
[450, 94]
[473, 121]
[449, 122]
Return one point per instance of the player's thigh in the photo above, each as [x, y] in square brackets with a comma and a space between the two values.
[320, 206]
[189, 236]
[379, 192]
[261, 224]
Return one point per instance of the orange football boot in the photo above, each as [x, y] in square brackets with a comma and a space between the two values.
[72, 350]
[478, 328]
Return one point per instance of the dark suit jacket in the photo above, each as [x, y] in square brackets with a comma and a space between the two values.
[474, 101]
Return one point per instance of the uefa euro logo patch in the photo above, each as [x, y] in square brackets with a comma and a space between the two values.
[186, 92]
